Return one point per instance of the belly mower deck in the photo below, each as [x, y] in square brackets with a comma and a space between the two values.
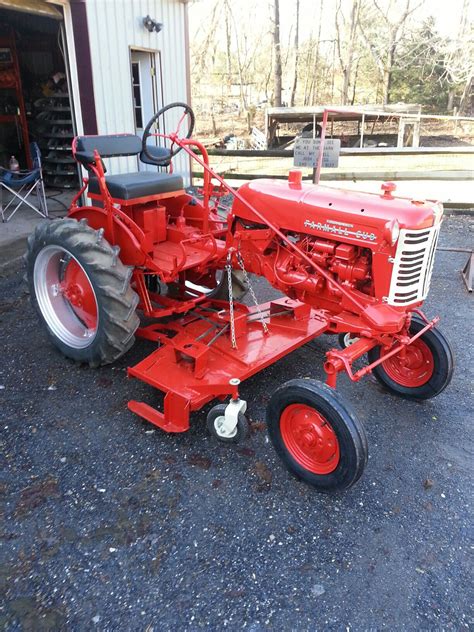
[197, 362]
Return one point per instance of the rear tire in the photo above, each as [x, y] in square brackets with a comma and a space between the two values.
[317, 435]
[424, 373]
[81, 291]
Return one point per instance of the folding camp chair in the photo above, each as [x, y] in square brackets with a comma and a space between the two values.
[21, 184]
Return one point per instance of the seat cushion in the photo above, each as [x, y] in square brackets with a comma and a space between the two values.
[129, 186]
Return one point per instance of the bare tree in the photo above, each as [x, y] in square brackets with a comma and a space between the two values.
[312, 88]
[228, 42]
[240, 64]
[459, 61]
[201, 55]
[384, 47]
[376, 51]
[296, 47]
[346, 58]
[277, 86]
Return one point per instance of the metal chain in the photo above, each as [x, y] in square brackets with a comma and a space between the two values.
[252, 293]
[228, 267]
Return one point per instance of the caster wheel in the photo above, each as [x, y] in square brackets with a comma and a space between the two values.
[345, 340]
[214, 423]
[424, 372]
[317, 435]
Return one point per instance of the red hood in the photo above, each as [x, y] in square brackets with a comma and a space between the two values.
[314, 209]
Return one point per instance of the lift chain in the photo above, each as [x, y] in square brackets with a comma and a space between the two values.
[251, 290]
[228, 267]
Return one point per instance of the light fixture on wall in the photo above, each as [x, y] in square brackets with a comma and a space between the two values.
[152, 25]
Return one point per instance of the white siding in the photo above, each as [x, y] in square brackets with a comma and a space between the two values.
[115, 26]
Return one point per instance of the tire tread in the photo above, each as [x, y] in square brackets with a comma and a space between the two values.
[111, 279]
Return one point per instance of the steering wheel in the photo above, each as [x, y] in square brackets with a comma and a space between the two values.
[163, 154]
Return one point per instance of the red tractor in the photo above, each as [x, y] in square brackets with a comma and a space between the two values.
[353, 264]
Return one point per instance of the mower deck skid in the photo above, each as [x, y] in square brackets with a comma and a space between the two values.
[196, 361]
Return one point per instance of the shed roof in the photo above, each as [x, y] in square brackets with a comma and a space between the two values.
[370, 112]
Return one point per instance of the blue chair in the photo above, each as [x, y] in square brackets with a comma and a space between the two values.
[21, 184]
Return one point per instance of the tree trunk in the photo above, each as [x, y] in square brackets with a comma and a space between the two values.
[228, 45]
[295, 76]
[308, 64]
[450, 105]
[268, 78]
[387, 73]
[354, 83]
[314, 83]
[240, 66]
[350, 52]
[277, 49]
[465, 105]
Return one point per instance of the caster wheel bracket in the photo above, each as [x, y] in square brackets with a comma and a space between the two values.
[229, 422]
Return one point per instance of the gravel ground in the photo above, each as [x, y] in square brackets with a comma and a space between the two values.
[111, 525]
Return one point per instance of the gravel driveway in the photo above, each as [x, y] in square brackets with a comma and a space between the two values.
[112, 525]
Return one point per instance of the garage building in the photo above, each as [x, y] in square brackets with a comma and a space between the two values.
[73, 67]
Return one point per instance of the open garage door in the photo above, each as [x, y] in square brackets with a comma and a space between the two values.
[37, 106]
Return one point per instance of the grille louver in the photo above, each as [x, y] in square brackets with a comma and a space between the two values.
[413, 265]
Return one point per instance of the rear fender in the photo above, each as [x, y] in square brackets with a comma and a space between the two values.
[128, 235]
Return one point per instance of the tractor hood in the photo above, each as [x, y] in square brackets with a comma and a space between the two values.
[314, 209]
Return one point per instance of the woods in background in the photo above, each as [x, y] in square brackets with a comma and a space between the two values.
[347, 52]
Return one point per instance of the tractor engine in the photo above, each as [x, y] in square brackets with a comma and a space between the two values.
[346, 263]
[377, 247]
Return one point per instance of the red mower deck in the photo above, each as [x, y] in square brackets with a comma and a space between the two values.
[198, 362]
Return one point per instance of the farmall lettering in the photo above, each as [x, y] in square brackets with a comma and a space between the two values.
[339, 229]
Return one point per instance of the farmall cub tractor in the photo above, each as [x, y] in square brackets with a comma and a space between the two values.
[353, 264]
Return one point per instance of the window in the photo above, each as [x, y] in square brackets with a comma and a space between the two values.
[137, 97]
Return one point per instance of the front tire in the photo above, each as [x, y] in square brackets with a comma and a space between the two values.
[81, 291]
[317, 435]
[425, 371]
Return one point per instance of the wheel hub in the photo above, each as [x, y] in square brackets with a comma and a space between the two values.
[413, 368]
[77, 289]
[310, 438]
[221, 428]
[65, 296]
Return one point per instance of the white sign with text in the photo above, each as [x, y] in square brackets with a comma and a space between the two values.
[307, 152]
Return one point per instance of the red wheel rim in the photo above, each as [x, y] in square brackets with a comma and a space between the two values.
[413, 368]
[77, 290]
[309, 438]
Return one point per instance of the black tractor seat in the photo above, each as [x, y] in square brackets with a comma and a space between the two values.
[129, 186]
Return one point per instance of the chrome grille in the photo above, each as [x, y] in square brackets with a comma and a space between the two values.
[413, 265]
